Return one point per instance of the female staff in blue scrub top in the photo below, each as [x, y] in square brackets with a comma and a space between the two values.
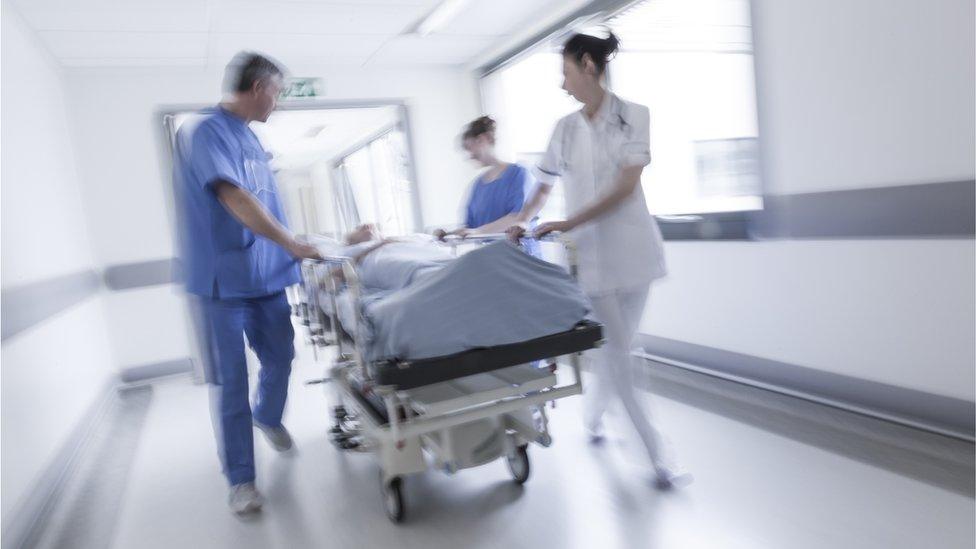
[498, 194]
[598, 153]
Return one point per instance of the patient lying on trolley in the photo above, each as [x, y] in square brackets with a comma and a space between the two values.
[391, 263]
[419, 301]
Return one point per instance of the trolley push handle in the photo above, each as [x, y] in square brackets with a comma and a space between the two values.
[491, 237]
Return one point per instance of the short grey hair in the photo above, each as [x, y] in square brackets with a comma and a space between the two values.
[247, 68]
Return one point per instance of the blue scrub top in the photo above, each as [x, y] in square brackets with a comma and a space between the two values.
[490, 201]
[221, 257]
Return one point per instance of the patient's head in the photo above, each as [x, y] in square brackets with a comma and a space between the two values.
[362, 233]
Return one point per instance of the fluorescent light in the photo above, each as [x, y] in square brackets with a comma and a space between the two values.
[444, 12]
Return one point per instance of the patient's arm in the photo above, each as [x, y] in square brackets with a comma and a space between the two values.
[358, 258]
[362, 233]
[337, 273]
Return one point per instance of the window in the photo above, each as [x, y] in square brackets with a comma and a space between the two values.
[690, 62]
[373, 185]
[526, 100]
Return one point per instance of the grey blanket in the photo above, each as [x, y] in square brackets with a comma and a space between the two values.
[494, 295]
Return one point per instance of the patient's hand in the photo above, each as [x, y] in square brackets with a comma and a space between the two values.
[362, 233]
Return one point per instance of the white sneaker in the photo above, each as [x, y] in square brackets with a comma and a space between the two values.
[595, 434]
[244, 499]
[665, 479]
[279, 437]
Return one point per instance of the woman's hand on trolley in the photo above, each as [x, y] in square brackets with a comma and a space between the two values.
[519, 230]
[441, 234]
[552, 227]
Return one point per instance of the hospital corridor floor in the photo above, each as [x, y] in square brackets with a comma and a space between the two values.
[770, 471]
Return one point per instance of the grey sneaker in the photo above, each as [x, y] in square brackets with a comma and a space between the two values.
[244, 499]
[279, 437]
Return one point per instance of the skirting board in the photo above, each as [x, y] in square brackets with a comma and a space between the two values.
[149, 372]
[22, 526]
[937, 413]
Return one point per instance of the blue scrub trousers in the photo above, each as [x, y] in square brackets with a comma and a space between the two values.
[267, 323]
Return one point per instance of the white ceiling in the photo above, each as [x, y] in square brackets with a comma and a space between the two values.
[152, 33]
[300, 138]
[297, 139]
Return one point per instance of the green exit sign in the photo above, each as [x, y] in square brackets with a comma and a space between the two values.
[302, 87]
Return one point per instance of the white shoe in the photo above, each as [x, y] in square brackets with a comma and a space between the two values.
[595, 434]
[244, 499]
[666, 479]
[279, 437]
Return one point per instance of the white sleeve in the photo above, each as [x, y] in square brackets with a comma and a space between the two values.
[550, 166]
[636, 150]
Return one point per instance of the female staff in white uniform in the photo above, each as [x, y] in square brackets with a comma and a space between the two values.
[599, 153]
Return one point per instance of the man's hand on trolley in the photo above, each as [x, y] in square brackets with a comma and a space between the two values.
[301, 250]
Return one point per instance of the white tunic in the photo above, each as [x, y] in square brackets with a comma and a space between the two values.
[622, 249]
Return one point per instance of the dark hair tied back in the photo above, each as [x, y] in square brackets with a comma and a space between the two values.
[600, 50]
[478, 127]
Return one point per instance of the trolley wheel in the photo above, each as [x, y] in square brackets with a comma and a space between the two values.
[393, 499]
[518, 464]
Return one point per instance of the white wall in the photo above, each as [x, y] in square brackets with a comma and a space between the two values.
[127, 184]
[899, 311]
[53, 372]
[851, 95]
[291, 185]
[866, 93]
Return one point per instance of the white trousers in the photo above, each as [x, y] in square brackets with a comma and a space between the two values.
[620, 313]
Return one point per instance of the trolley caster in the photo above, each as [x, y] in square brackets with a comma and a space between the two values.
[337, 433]
[393, 499]
[349, 444]
[343, 439]
[518, 464]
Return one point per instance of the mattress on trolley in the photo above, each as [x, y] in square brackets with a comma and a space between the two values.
[408, 374]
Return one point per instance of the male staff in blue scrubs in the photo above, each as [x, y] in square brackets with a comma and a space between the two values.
[238, 257]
